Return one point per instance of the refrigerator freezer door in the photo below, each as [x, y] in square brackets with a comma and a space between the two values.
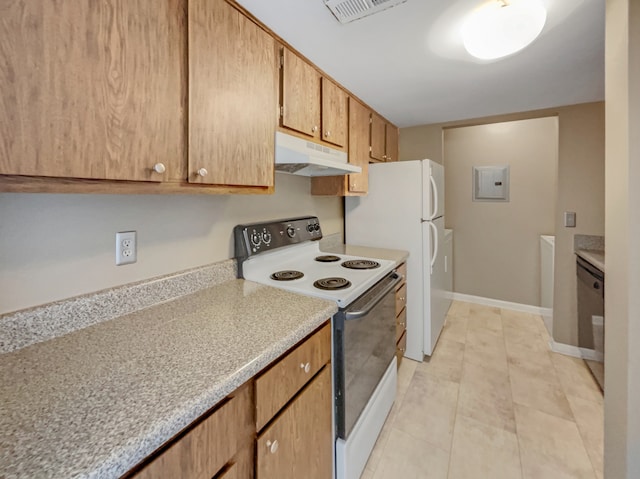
[435, 299]
[433, 190]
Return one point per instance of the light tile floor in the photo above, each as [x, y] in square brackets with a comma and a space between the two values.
[492, 402]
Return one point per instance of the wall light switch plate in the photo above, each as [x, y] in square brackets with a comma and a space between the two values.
[570, 219]
[126, 248]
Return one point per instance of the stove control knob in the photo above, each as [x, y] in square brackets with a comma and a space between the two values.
[255, 238]
[316, 227]
[266, 237]
[291, 232]
[310, 228]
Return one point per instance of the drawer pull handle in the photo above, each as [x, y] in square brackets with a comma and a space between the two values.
[272, 446]
[402, 298]
[306, 367]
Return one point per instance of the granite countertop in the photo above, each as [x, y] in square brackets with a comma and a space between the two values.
[595, 257]
[399, 256]
[96, 402]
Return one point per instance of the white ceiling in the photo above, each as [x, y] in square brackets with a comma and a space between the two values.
[408, 62]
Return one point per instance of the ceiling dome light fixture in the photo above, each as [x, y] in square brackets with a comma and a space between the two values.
[503, 27]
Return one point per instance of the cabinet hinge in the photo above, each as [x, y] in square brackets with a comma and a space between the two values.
[282, 110]
[281, 59]
[370, 149]
[370, 120]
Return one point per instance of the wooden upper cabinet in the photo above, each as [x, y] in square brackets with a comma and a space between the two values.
[392, 142]
[300, 95]
[378, 138]
[359, 146]
[334, 113]
[354, 184]
[384, 140]
[233, 97]
[92, 89]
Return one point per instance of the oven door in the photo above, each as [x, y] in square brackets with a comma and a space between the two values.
[364, 344]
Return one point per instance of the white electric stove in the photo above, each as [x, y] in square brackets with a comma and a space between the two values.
[285, 254]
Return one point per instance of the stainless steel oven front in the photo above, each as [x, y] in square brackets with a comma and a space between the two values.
[364, 345]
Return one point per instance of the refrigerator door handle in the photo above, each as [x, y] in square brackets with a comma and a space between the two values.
[434, 228]
[434, 191]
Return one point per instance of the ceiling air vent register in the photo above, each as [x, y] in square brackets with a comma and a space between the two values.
[349, 10]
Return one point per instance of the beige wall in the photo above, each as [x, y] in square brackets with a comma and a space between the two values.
[622, 292]
[421, 142]
[580, 189]
[496, 246]
[57, 246]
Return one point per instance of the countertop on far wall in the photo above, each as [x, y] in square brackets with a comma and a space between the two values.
[96, 402]
[595, 257]
[399, 256]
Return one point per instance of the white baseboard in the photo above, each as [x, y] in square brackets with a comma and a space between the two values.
[575, 351]
[498, 303]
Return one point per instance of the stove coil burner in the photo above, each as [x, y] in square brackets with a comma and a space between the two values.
[327, 258]
[361, 264]
[332, 283]
[288, 275]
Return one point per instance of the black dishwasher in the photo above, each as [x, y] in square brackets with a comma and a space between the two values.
[591, 316]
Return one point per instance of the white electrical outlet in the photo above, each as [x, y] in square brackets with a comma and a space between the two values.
[126, 251]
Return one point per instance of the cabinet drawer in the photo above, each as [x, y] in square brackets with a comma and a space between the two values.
[205, 448]
[401, 324]
[401, 299]
[402, 271]
[401, 347]
[280, 383]
[299, 443]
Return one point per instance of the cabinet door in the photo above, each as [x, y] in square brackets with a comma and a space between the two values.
[299, 442]
[300, 95]
[392, 142]
[92, 89]
[378, 138]
[233, 97]
[334, 113]
[359, 145]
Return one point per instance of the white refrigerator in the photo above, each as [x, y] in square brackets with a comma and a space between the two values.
[404, 209]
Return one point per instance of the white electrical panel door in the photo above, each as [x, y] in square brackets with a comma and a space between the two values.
[490, 183]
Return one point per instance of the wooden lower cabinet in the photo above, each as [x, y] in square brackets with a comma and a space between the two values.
[298, 444]
[240, 467]
[284, 379]
[294, 434]
[210, 445]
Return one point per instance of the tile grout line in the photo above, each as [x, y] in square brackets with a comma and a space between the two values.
[515, 422]
[593, 466]
[455, 417]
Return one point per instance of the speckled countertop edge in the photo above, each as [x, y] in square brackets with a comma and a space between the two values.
[596, 258]
[97, 402]
[23, 328]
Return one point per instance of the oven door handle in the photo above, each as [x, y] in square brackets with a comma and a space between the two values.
[361, 312]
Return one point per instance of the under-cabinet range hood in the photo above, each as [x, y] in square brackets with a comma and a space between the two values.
[301, 157]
